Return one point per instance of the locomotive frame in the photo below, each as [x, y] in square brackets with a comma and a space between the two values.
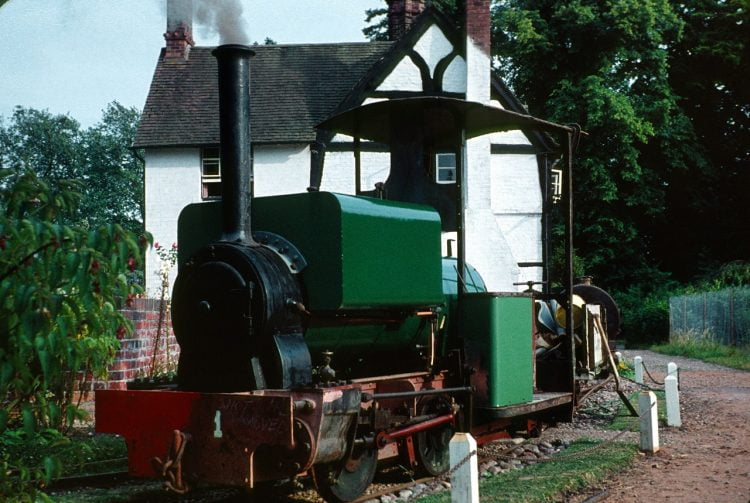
[221, 426]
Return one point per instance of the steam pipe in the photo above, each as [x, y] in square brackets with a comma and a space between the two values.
[234, 127]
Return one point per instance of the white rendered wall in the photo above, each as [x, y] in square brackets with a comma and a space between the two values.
[454, 77]
[339, 175]
[433, 46]
[514, 137]
[404, 77]
[487, 248]
[281, 169]
[517, 205]
[173, 180]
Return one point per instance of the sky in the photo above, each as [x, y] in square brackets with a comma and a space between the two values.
[76, 56]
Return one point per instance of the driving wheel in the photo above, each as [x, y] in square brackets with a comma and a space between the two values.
[341, 482]
[432, 445]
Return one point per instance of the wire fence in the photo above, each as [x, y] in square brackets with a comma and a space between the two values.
[722, 316]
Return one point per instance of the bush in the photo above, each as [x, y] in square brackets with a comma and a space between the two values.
[645, 310]
[60, 291]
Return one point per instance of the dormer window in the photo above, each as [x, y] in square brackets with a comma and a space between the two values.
[210, 173]
[445, 168]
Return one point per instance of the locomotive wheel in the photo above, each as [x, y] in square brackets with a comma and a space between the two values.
[341, 482]
[432, 445]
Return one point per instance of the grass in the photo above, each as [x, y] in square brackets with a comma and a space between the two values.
[624, 421]
[549, 481]
[708, 351]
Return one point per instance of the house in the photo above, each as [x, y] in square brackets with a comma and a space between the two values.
[296, 86]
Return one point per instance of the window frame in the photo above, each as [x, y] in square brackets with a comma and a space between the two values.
[208, 180]
[439, 168]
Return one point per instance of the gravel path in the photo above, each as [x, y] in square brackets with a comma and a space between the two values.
[708, 458]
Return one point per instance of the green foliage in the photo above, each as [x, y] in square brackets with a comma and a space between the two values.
[708, 70]
[57, 149]
[60, 287]
[29, 462]
[112, 171]
[378, 29]
[732, 274]
[707, 350]
[25, 464]
[60, 290]
[645, 309]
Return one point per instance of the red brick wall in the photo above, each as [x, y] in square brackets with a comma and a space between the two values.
[135, 357]
[478, 23]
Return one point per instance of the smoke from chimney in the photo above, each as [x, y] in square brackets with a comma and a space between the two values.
[223, 17]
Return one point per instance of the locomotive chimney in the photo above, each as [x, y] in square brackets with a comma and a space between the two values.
[234, 128]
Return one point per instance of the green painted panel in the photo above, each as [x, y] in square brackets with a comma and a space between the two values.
[497, 329]
[362, 350]
[362, 252]
[390, 253]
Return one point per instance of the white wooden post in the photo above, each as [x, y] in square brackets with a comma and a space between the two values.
[672, 369]
[673, 400]
[649, 422]
[465, 480]
[638, 364]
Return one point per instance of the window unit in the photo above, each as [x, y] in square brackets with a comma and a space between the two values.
[210, 173]
[445, 168]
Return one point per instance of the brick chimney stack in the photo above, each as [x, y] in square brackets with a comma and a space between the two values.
[478, 23]
[478, 61]
[179, 35]
[401, 16]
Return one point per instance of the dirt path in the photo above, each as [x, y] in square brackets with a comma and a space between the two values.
[708, 458]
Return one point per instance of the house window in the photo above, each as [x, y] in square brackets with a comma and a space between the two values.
[556, 181]
[445, 168]
[210, 173]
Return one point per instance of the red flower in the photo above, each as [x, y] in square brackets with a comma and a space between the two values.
[131, 264]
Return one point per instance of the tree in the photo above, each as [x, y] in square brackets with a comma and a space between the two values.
[50, 145]
[707, 204]
[55, 148]
[113, 171]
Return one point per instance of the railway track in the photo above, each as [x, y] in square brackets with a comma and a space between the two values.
[107, 479]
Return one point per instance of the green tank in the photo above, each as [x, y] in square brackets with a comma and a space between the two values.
[366, 266]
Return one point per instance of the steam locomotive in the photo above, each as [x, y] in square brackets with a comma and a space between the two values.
[323, 333]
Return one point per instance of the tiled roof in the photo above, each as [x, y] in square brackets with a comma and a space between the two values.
[293, 88]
